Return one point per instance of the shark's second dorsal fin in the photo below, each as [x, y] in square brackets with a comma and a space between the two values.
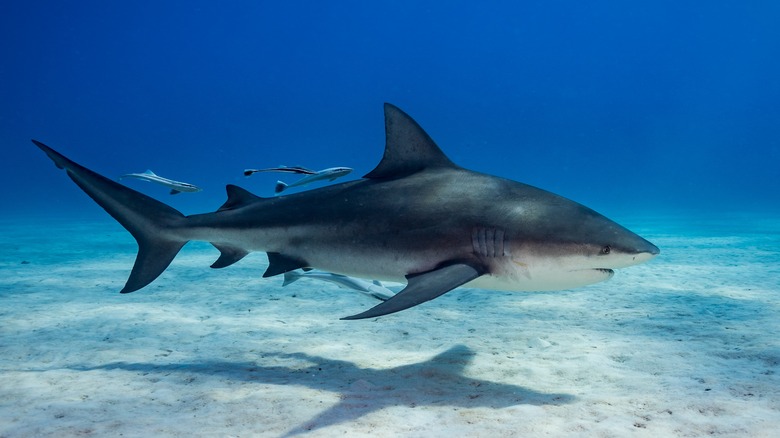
[408, 148]
[237, 197]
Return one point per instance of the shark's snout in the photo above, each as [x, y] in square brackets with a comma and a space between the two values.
[654, 250]
[647, 251]
[644, 256]
[633, 250]
[642, 253]
[640, 250]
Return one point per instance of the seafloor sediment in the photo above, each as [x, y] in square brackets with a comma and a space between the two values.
[685, 345]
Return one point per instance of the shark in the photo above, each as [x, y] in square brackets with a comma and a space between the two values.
[175, 186]
[416, 218]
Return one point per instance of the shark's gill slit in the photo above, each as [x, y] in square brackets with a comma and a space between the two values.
[489, 242]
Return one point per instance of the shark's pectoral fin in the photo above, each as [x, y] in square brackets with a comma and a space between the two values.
[175, 192]
[424, 287]
[228, 255]
[280, 263]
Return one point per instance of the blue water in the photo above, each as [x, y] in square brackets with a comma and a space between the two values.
[659, 107]
[663, 115]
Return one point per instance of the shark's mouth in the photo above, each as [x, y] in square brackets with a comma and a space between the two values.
[607, 273]
[599, 270]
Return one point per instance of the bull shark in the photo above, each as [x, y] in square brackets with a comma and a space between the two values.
[175, 186]
[416, 218]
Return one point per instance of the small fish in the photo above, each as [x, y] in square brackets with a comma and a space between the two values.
[293, 169]
[329, 174]
[371, 288]
[175, 186]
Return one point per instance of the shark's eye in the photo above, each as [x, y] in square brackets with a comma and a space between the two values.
[606, 249]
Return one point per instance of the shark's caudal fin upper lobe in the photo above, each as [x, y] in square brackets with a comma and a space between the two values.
[153, 224]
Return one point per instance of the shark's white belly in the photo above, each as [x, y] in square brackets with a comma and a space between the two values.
[507, 274]
[374, 262]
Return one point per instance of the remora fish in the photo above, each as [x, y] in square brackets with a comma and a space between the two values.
[329, 174]
[371, 288]
[416, 217]
[175, 186]
[294, 169]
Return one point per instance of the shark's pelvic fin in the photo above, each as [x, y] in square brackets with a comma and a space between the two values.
[151, 222]
[408, 148]
[423, 287]
[228, 255]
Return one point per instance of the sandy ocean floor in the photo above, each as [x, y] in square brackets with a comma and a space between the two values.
[686, 345]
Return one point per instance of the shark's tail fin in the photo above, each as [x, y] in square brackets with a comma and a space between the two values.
[153, 224]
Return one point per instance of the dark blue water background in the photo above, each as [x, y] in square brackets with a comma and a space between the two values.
[628, 107]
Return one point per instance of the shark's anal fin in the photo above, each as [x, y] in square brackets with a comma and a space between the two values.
[280, 263]
[290, 277]
[423, 287]
[228, 255]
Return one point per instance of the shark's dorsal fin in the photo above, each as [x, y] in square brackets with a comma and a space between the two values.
[149, 172]
[408, 148]
[237, 197]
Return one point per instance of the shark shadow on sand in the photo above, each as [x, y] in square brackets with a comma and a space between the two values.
[438, 381]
